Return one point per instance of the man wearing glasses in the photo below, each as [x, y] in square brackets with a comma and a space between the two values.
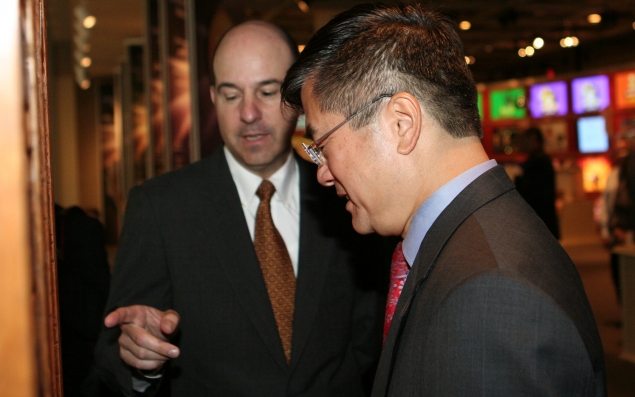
[240, 275]
[483, 301]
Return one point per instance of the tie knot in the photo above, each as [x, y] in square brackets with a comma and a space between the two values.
[265, 190]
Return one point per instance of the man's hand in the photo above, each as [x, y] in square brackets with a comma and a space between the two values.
[145, 332]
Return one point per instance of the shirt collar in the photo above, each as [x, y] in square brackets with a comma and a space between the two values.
[430, 210]
[247, 183]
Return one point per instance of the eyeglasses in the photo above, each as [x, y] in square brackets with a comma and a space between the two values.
[314, 150]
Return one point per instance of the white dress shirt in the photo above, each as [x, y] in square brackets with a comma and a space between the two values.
[285, 202]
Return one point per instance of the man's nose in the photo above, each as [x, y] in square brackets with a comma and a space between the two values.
[250, 111]
[324, 175]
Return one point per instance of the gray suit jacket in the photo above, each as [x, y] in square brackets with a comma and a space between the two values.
[493, 306]
[185, 246]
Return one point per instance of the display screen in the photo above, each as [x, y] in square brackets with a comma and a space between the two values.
[625, 90]
[507, 104]
[590, 94]
[555, 133]
[548, 99]
[592, 135]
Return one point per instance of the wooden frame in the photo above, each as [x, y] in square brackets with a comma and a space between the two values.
[29, 327]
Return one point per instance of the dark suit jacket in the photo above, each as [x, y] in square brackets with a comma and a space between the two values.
[185, 246]
[493, 306]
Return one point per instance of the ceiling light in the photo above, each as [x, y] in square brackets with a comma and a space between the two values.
[302, 5]
[89, 21]
[538, 43]
[470, 60]
[85, 84]
[465, 25]
[86, 62]
[594, 18]
[574, 41]
[522, 53]
[529, 51]
[467, 59]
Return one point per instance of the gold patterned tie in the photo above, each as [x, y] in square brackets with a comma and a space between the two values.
[276, 267]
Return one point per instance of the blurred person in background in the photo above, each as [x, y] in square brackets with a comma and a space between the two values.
[537, 182]
[616, 207]
[83, 278]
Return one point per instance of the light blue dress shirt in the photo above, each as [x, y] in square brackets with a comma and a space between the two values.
[430, 210]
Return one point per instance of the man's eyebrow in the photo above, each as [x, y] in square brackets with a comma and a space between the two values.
[270, 81]
[226, 85]
[260, 84]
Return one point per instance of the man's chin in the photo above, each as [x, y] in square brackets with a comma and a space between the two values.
[362, 227]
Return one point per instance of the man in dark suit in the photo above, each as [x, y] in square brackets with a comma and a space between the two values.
[491, 304]
[190, 306]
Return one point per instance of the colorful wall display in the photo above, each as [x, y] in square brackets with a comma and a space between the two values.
[590, 94]
[592, 135]
[624, 85]
[507, 104]
[555, 136]
[548, 99]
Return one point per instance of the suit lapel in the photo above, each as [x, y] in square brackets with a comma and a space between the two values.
[315, 249]
[484, 189]
[230, 243]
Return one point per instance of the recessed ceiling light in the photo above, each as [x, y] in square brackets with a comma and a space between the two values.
[86, 62]
[594, 18]
[89, 22]
[465, 25]
[303, 6]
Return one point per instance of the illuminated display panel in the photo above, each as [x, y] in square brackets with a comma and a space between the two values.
[507, 104]
[548, 99]
[592, 135]
[590, 94]
[624, 85]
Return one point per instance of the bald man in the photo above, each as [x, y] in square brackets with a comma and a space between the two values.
[189, 308]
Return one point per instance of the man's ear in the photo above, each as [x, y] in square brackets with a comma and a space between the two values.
[212, 94]
[405, 121]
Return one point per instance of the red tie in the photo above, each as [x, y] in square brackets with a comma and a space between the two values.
[398, 272]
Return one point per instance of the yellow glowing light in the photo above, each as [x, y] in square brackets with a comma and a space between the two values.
[538, 43]
[301, 48]
[594, 18]
[529, 51]
[465, 25]
[85, 84]
[86, 62]
[89, 21]
[472, 60]
[522, 53]
[562, 43]
[467, 59]
[574, 41]
[568, 41]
